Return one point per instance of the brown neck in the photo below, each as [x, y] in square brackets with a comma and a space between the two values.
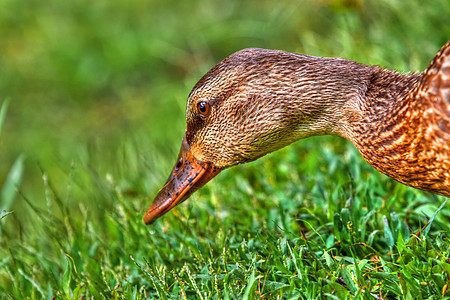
[392, 134]
[383, 110]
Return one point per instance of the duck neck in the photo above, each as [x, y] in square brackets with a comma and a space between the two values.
[332, 96]
[382, 110]
[382, 128]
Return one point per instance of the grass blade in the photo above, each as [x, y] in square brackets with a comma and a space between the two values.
[13, 180]
[250, 286]
[3, 110]
[388, 233]
[33, 282]
[428, 227]
[67, 278]
[4, 213]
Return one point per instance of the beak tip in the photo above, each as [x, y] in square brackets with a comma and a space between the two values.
[188, 175]
[148, 222]
[148, 219]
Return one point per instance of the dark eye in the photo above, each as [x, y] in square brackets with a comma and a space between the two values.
[203, 109]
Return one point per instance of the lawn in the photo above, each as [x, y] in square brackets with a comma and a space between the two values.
[92, 109]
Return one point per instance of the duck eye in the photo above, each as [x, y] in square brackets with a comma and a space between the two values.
[203, 109]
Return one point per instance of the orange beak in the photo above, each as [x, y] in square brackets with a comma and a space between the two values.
[188, 175]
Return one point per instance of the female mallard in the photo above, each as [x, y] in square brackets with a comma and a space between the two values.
[257, 101]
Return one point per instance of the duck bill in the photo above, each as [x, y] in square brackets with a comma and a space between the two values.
[188, 175]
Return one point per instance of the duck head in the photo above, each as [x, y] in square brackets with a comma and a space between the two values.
[250, 104]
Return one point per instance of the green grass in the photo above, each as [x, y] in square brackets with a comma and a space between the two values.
[92, 130]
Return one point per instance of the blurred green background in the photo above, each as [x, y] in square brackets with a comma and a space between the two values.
[93, 83]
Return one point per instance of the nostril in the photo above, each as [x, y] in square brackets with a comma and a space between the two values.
[179, 164]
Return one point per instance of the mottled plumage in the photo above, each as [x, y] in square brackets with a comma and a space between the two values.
[259, 101]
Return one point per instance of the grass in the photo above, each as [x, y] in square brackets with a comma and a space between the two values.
[93, 128]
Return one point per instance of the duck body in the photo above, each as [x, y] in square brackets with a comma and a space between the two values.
[257, 101]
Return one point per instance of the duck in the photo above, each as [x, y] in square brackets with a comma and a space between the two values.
[257, 101]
